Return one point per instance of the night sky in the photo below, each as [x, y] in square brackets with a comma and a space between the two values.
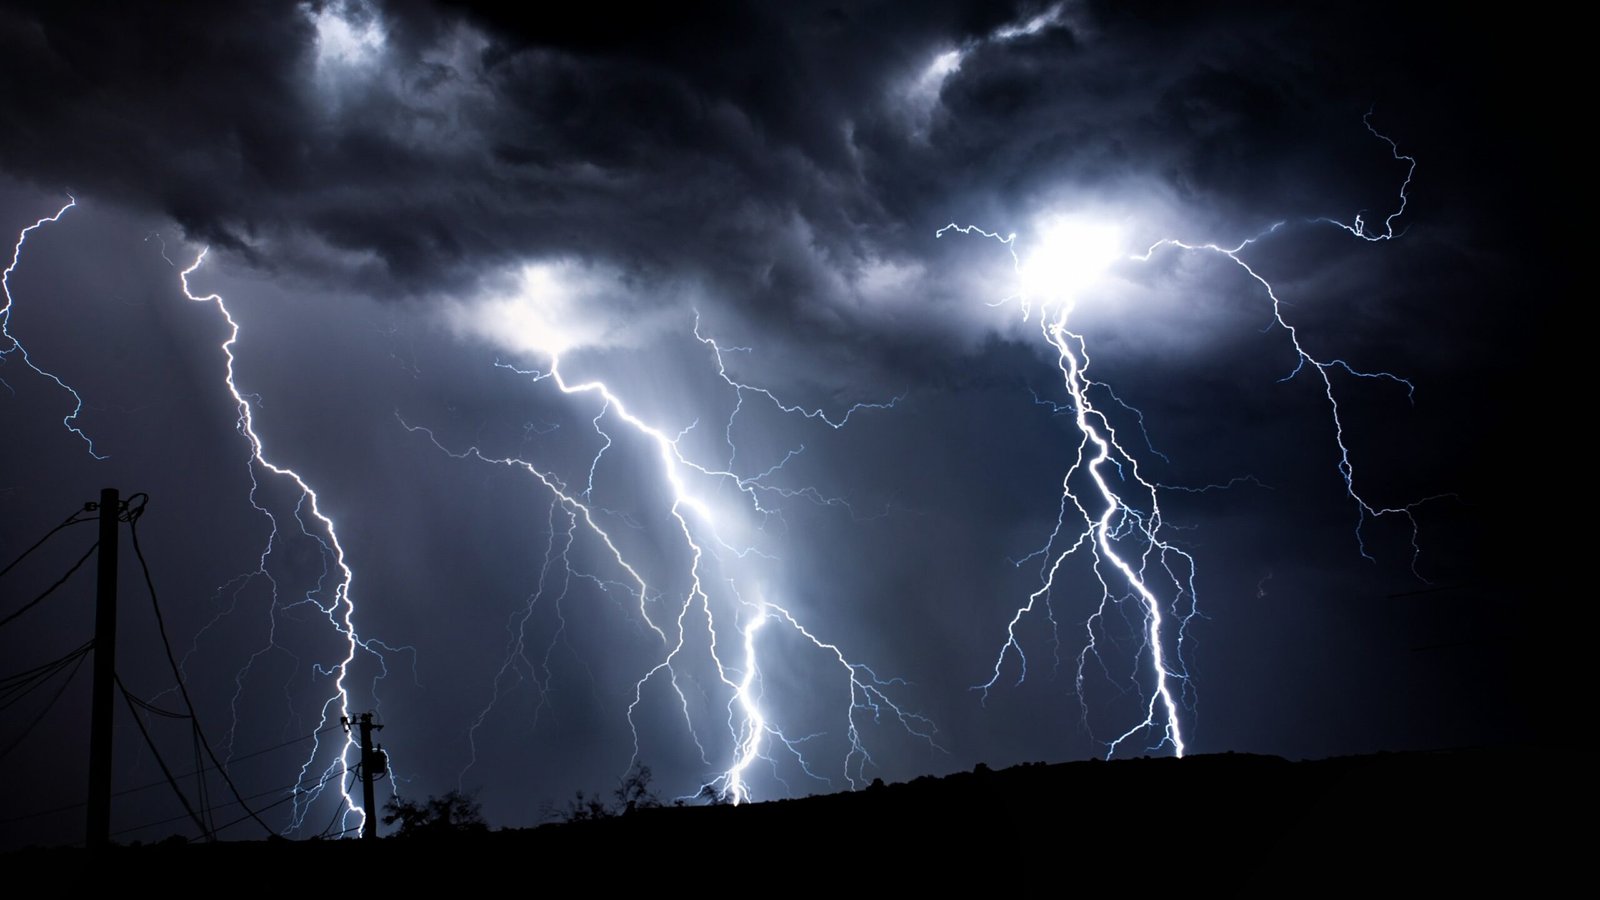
[413, 207]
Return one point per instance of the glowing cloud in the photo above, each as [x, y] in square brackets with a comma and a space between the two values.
[348, 34]
[1071, 254]
[550, 308]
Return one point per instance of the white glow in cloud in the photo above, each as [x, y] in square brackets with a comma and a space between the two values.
[1069, 255]
[940, 69]
[1034, 25]
[348, 34]
[550, 308]
[921, 94]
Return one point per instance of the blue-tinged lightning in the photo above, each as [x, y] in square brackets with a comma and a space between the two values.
[1358, 225]
[740, 389]
[339, 608]
[1324, 370]
[712, 600]
[13, 345]
[1110, 510]
[556, 575]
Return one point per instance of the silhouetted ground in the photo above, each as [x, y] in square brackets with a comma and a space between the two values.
[1488, 821]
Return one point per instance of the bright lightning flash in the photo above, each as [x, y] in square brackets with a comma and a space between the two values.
[12, 345]
[339, 608]
[1107, 507]
[713, 606]
[1119, 515]
[1071, 255]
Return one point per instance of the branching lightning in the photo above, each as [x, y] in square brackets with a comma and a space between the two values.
[1358, 225]
[1324, 369]
[13, 345]
[339, 608]
[1112, 511]
[712, 608]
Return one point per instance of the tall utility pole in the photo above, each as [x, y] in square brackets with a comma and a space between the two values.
[373, 763]
[97, 833]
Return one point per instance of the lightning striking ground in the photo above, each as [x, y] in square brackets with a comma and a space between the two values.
[339, 608]
[711, 612]
[14, 345]
[1108, 508]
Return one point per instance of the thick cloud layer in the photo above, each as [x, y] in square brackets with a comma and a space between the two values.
[409, 147]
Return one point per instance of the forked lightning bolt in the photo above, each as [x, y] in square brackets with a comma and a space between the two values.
[1108, 508]
[716, 604]
[12, 345]
[1111, 520]
[339, 610]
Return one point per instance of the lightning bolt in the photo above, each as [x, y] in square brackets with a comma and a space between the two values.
[712, 610]
[339, 609]
[1324, 370]
[1112, 512]
[13, 345]
[1358, 225]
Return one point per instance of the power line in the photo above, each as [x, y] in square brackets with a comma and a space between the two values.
[131, 516]
[51, 589]
[134, 709]
[153, 709]
[231, 760]
[70, 520]
[339, 810]
[77, 657]
[153, 784]
[294, 789]
[202, 792]
[15, 687]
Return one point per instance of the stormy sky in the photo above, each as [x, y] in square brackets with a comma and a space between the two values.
[415, 209]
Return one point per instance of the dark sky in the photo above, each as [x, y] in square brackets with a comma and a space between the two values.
[399, 196]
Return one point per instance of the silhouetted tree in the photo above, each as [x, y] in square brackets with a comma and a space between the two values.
[453, 814]
[632, 792]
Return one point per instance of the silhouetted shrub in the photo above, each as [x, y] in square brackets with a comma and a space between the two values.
[632, 792]
[454, 814]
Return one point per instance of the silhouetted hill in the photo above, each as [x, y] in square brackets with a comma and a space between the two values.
[1485, 820]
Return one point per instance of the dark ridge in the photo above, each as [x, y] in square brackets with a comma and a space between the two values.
[1483, 819]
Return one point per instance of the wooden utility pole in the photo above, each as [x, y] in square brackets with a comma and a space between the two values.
[97, 833]
[373, 763]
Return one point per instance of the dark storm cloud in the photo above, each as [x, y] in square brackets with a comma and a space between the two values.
[192, 110]
[769, 149]
[220, 120]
